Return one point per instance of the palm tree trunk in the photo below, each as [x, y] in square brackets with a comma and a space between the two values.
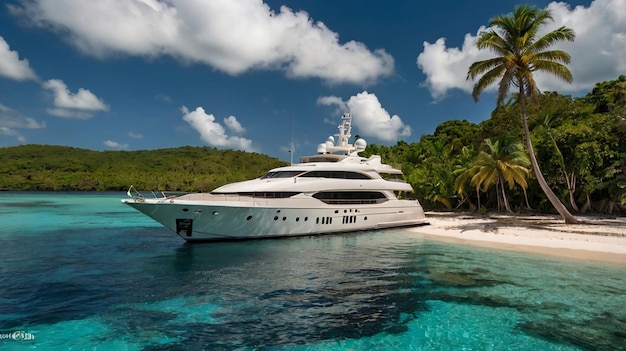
[554, 200]
[526, 198]
[504, 199]
[498, 196]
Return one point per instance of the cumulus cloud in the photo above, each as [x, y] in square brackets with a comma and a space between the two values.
[80, 105]
[231, 36]
[233, 124]
[369, 116]
[597, 53]
[214, 133]
[135, 135]
[115, 145]
[11, 121]
[11, 66]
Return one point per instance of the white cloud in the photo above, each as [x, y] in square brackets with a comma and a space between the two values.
[370, 117]
[82, 100]
[11, 121]
[115, 145]
[333, 100]
[231, 36]
[80, 105]
[66, 113]
[135, 135]
[233, 124]
[11, 66]
[597, 53]
[212, 132]
[446, 68]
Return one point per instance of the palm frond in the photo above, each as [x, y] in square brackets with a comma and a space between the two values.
[552, 55]
[486, 80]
[551, 38]
[554, 68]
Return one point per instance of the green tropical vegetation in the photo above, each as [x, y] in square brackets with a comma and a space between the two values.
[46, 167]
[580, 144]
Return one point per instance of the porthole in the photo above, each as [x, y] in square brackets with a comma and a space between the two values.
[284, 218]
[248, 218]
[336, 211]
[306, 219]
[297, 219]
[278, 211]
[185, 209]
[365, 218]
[275, 218]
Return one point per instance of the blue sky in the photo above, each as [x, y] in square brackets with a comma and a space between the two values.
[257, 76]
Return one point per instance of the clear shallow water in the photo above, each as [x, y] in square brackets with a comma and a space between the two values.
[83, 271]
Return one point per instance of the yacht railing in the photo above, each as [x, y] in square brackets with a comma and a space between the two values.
[137, 195]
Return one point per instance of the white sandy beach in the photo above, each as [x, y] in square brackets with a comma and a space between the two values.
[594, 239]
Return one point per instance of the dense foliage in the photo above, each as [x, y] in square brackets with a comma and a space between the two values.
[580, 144]
[46, 167]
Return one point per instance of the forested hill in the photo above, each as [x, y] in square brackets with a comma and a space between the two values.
[47, 167]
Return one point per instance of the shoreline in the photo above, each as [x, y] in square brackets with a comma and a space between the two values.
[593, 239]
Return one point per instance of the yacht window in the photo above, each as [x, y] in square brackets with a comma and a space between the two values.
[394, 177]
[335, 174]
[351, 197]
[264, 194]
[281, 174]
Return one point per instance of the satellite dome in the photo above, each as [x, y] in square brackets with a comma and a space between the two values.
[321, 148]
[360, 145]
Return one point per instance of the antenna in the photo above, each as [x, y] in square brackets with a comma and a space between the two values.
[345, 128]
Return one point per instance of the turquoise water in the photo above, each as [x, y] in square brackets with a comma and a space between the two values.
[84, 271]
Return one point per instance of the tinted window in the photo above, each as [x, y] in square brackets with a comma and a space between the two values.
[335, 174]
[351, 197]
[281, 174]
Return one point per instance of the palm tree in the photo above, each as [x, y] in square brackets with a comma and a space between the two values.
[463, 170]
[513, 38]
[500, 163]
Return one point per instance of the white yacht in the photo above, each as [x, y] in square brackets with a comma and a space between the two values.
[334, 191]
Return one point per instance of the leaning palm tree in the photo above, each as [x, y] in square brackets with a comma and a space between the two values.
[520, 52]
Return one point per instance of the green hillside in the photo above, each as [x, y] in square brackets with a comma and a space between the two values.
[46, 167]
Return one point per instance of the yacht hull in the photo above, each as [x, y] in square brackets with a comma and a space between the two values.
[207, 220]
